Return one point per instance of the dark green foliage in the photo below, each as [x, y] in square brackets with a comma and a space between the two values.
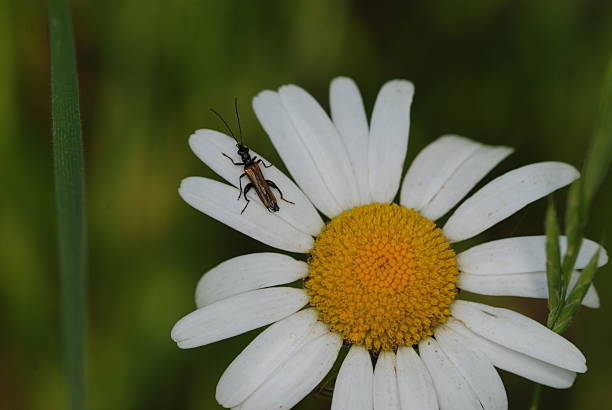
[518, 73]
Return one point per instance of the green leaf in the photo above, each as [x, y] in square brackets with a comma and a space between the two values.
[69, 192]
[574, 300]
[553, 263]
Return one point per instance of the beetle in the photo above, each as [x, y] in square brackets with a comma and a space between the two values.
[252, 171]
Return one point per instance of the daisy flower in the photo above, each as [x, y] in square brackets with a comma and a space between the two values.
[380, 277]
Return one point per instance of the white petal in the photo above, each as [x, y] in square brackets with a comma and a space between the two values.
[350, 119]
[262, 356]
[354, 384]
[297, 377]
[248, 272]
[475, 367]
[452, 390]
[275, 120]
[238, 314]
[521, 254]
[518, 332]
[515, 362]
[469, 173]
[386, 393]
[388, 140]
[506, 195]
[218, 201]
[432, 168]
[210, 146]
[323, 142]
[416, 388]
[529, 285]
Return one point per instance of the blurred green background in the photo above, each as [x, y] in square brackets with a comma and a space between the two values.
[521, 73]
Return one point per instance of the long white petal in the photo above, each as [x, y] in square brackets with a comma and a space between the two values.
[529, 285]
[297, 376]
[416, 388]
[354, 384]
[475, 367]
[506, 195]
[388, 142]
[350, 119]
[452, 390]
[520, 333]
[432, 168]
[262, 356]
[248, 272]
[515, 362]
[323, 142]
[521, 254]
[469, 173]
[238, 314]
[218, 201]
[210, 146]
[386, 393]
[294, 152]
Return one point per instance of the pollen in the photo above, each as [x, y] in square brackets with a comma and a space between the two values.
[382, 276]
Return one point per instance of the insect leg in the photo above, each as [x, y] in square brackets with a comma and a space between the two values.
[247, 188]
[273, 185]
[240, 185]
[231, 159]
[260, 161]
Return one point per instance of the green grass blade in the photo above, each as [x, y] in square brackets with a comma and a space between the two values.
[582, 191]
[598, 157]
[69, 191]
[596, 165]
[574, 300]
[575, 220]
[553, 264]
[563, 308]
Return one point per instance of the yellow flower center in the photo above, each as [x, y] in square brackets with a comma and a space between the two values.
[382, 275]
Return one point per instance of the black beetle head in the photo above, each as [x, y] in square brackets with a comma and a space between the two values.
[243, 151]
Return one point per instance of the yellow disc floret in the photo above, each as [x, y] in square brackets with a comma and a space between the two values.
[382, 275]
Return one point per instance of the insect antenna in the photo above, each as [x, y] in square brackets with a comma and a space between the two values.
[226, 124]
[238, 118]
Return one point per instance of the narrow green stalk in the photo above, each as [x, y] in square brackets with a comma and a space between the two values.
[553, 264]
[69, 191]
[535, 399]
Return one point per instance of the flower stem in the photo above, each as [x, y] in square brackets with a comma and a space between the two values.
[535, 398]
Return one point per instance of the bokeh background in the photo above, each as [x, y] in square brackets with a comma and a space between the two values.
[521, 73]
